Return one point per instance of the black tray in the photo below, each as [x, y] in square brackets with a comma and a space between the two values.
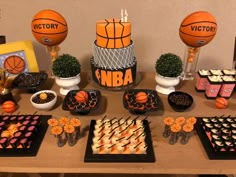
[70, 104]
[153, 103]
[38, 79]
[148, 157]
[36, 142]
[212, 153]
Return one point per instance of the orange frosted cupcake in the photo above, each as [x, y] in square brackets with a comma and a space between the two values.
[175, 128]
[188, 127]
[191, 120]
[69, 128]
[75, 122]
[169, 120]
[180, 120]
[52, 122]
[56, 130]
[64, 120]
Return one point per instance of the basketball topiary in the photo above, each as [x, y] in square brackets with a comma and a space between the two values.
[169, 65]
[65, 66]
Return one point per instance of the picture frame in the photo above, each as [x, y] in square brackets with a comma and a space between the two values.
[18, 57]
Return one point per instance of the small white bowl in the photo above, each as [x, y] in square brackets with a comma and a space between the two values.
[44, 106]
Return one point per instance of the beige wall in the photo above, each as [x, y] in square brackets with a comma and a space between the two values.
[155, 26]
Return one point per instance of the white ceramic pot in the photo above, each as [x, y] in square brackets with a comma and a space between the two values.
[44, 106]
[166, 85]
[67, 84]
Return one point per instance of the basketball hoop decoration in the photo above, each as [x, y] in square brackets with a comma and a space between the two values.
[50, 29]
[196, 30]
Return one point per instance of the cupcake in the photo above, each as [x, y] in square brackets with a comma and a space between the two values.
[52, 122]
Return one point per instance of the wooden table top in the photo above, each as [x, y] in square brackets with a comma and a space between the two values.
[170, 159]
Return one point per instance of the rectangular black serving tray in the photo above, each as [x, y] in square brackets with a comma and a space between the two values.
[35, 145]
[148, 157]
[211, 153]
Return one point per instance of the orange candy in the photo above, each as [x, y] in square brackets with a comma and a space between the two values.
[9, 106]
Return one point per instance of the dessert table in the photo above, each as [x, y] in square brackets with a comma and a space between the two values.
[170, 159]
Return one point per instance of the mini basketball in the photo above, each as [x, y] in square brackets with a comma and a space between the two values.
[198, 29]
[14, 64]
[81, 96]
[49, 27]
[141, 97]
[9, 106]
[221, 103]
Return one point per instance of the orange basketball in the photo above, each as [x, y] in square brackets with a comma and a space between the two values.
[81, 96]
[198, 29]
[9, 106]
[14, 64]
[141, 97]
[221, 103]
[49, 27]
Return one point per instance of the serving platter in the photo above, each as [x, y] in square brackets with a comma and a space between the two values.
[34, 136]
[146, 157]
[217, 135]
[152, 103]
[75, 107]
[30, 81]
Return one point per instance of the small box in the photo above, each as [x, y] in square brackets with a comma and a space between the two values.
[213, 86]
[216, 72]
[229, 72]
[201, 80]
[227, 87]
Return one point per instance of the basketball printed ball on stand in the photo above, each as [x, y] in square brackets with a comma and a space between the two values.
[221, 103]
[196, 30]
[50, 29]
